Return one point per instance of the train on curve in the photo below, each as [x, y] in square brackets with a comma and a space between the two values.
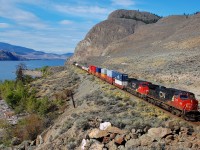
[178, 102]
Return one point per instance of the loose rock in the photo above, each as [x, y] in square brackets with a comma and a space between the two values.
[96, 146]
[160, 132]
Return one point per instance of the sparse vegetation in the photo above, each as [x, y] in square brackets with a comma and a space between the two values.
[67, 125]
[26, 129]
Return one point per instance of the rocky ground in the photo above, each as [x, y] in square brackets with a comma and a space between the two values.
[33, 73]
[133, 123]
[6, 113]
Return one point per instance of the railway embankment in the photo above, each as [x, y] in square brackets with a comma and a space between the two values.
[133, 123]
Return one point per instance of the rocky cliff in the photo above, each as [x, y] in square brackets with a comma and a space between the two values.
[120, 24]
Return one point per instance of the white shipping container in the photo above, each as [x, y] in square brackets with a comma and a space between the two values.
[123, 83]
[104, 71]
[85, 68]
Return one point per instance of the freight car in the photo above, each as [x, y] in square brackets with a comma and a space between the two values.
[178, 102]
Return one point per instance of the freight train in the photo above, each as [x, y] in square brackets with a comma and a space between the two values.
[178, 102]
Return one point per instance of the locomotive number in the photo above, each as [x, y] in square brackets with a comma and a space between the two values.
[162, 95]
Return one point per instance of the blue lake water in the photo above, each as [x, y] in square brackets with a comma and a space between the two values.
[8, 68]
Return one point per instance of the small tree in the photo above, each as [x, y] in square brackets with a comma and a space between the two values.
[19, 72]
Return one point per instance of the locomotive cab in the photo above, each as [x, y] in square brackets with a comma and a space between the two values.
[185, 101]
[143, 88]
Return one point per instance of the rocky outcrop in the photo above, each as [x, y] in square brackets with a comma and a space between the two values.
[120, 24]
[145, 17]
[153, 138]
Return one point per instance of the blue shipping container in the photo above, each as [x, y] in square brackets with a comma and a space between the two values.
[112, 73]
[98, 70]
[122, 77]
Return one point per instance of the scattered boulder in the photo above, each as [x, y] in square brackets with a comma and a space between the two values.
[132, 143]
[96, 146]
[115, 130]
[105, 125]
[84, 144]
[146, 140]
[111, 145]
[160, 132]
[96, 133]
[119, 139]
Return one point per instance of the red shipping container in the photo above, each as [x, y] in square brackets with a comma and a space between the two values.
[98, 74]
[92, 70]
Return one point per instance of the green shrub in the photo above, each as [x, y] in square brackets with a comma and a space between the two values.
[18, 97]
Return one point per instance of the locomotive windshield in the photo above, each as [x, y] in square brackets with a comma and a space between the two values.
[183, 97]
[144, 85]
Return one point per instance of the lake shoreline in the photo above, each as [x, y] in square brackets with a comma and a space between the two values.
[8, 68]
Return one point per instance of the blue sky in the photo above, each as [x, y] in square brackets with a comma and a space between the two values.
[58, 25]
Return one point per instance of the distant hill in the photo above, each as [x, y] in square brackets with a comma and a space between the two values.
[5, 55]
[68, 54]
[27, 53]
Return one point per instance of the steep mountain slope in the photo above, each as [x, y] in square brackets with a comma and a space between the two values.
[28, 53]
[166, 52]
[120, 24]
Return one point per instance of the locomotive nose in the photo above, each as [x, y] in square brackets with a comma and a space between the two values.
[193, 105]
